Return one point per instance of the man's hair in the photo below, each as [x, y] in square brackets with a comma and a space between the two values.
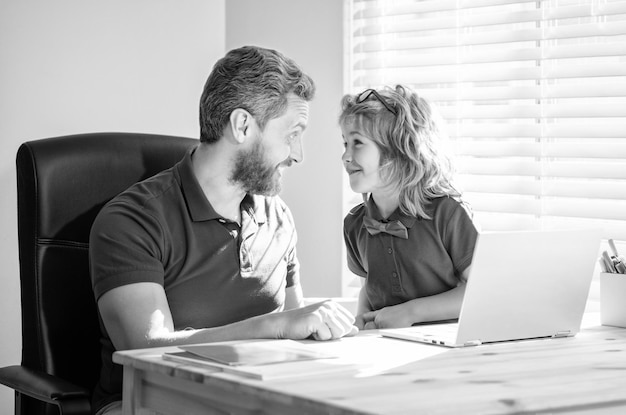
[408, 133]
[252, 78]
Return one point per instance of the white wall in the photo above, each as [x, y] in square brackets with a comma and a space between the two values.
[71, 66]
[310, 32]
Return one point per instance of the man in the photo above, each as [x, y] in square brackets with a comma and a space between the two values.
[206, 251]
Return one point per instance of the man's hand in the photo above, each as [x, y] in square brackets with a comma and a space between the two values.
[326, 320]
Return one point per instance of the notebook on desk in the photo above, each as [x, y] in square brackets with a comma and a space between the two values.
[522, 285]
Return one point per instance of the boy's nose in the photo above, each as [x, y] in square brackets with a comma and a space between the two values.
[346, 157]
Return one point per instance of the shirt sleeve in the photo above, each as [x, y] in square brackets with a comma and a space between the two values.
[350, 236]
[460, 236]
[124, 248]
[293, 265]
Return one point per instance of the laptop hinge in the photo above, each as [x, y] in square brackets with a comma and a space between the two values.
[565, 333]
[473, 343]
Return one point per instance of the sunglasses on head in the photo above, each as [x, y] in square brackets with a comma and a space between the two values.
[363, 96]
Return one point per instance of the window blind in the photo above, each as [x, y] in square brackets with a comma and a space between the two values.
[533, 93]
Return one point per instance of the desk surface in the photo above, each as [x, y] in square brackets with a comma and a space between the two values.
[582, 374]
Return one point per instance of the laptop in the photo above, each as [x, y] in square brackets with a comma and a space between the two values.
[521, 285]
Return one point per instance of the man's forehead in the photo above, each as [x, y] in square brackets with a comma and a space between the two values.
[297, 114]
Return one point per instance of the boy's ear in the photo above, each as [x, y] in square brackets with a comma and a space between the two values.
[240, 123]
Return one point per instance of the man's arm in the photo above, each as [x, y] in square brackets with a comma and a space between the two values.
[294, 297]
[138, 316]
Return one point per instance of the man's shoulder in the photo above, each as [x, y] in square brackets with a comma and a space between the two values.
[148, 193]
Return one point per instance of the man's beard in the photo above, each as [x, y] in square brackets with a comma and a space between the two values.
[254, 173]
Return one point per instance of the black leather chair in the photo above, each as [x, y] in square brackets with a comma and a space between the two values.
[62, 183]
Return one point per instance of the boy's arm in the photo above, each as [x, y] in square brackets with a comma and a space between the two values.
[138, 316]
[363, 305]
[444, 306]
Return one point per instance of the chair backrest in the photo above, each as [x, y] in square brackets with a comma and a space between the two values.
[62, 184]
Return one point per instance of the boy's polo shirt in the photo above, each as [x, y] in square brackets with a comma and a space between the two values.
[429, 262]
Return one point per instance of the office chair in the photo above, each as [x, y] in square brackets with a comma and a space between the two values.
[62, 183]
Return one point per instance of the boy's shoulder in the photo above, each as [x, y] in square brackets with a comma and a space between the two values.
[357, 211]
[354, 217]
[447, 205]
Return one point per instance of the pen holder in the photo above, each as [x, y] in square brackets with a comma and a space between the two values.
[613, 299]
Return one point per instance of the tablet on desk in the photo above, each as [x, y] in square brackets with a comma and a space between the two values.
[255, 352]
[257, 359]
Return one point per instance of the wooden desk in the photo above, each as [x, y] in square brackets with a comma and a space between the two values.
[585, 374]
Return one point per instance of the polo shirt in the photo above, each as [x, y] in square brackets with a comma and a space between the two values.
[429, 262]
[214, 272]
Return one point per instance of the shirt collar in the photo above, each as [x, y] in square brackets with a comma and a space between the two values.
[200, 209]
[374, 213]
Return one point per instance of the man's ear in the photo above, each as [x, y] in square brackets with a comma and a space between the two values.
[240, 123]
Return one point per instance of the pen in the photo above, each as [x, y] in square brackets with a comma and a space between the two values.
[618, 260]
[613, 248]
[608, 262]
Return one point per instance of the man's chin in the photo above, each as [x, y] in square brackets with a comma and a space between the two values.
[269, 191]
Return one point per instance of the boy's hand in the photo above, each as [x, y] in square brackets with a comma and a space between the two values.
[385, 318]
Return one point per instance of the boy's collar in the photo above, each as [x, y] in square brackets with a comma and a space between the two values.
[373, 212]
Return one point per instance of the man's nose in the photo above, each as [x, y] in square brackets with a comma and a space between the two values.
[296, 153]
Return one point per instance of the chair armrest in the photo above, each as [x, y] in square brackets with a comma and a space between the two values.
[45, 387]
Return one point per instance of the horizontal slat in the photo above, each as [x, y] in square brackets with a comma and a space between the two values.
[589, 130]
[500, 167]
[610, 228]
[561, 149]
[390, 24]
[532, 111]
[497, 148]
[599, 170]
[489, 73]
[494, 221]
[409, 7]
[498, 221]
[504, 203]
[532, 186]
[594, 189]
[581, 149]
[585, 208]
[531, 129]
[473, 184]
[558, 207]
[461, 129]
[530, 167]
[375, 43]
[459, 56]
